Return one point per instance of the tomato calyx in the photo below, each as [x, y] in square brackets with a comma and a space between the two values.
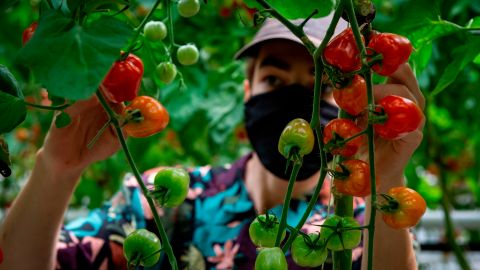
[137, 258]
[160, 194]
[134, 115]
[391, 205]
[340, 175]
[338, 141]
[377, 115]
[269, 222]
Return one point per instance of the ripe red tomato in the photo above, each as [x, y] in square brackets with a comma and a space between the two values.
[404, 209]
[123, 80]
[338, 130]
[297, 134]
[145, 116]
[395, 49]
[28, 32]
[403, 117]
[352, 98]
[357, 178]
[342, 52]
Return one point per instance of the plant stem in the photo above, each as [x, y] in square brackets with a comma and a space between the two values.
[50, 108]
[286, 202]
[168, 5]
[163, 235]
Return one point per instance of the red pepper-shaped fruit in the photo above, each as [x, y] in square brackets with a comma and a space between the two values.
[395, 49]
[355, 180]
[145, 116]
[28, 32]
[404, 208]
[403, 117]
[123, 80]
[352, 98]
[338, 130]
[342, 52]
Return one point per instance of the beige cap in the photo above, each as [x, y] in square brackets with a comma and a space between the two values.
[274, 29]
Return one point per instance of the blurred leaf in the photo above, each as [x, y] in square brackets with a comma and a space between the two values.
[421, 58]
[13, 112]
[71, 60]
[474, 23]
[296, 9]
[432, 30]
[6, 4]
[62, 120]
[8, 83]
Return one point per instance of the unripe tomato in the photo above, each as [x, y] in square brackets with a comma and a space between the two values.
[271, 259]
[142, 247]
[405, 209]
[187, 54]
[28, 32]
[188, 8]
[352, 98]
[171, 186]
[145, 116]
[155, 30]
[395, 49]
[357, 178]
[342, 52]
[123, 80]
[336, 237]
[263, 231]
[167, 71]
[297, 134]
[403, 117]
[311, 253]
[338, 130]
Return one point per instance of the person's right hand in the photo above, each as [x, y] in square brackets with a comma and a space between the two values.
[65, 149]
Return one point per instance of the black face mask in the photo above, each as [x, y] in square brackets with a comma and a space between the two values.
[266, 115]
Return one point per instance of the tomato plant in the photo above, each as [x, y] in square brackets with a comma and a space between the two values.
[187, 54]
[167, 71]
[309, 250]
[188, 8]
[171, 186]
[144, 117]
[342, 52]
[142, 247]
[403, 209]
[352, 177]
[155, 30]
[263, 230]
[353, 97]
[296, 135]
[395, 50]
[338, 233]
[28, 32]
[402, 117]
[123, 80]
[271, 259]
[338, 130]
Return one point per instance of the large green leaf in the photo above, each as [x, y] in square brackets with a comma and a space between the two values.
[71, 60]
[8, 83]
[432, 30]
[13, 112]
[295, 9]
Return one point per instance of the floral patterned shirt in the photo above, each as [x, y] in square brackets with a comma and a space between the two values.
[208, 231]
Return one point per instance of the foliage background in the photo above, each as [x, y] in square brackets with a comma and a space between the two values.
[206, 112]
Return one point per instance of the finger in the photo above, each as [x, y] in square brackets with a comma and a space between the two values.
[404, 75]
[382, 90]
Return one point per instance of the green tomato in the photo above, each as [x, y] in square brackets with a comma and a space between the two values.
[263, 232]
[297, 134]
[188, 8]
[309, 253]
[271, 259]
[167, 71]
[170, 187]
[338, 239]
[141, 247]
[155, 30]
[187, 54]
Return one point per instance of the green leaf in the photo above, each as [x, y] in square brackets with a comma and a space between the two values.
[462, 56]
[71, 60]
[296, 9]
[12, 112]
[62, 120]
[8, 83]
[6, 4]
[474, 23]
[432, 30]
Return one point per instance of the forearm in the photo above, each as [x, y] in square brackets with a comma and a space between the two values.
[30, 230]
[393, 248]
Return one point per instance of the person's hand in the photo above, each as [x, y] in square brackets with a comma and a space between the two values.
[65, 149]
[392, 156]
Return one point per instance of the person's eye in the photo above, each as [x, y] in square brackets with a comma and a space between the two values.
[273, 81]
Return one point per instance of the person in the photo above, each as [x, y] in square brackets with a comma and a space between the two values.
[210, 230]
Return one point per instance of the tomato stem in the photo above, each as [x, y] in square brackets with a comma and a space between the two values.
[171, 39]
[163, 235]
[50, 108]
[99, 133]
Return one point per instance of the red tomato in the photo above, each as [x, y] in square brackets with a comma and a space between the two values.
[404, 209]
[356, 181]
[342, 52]
[403, 117]
[352, 98]
[123, 80]
[395, 49]
[338, 130]
[28, 32]
[145, 116]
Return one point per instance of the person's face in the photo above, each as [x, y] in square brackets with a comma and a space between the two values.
[280, 63]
